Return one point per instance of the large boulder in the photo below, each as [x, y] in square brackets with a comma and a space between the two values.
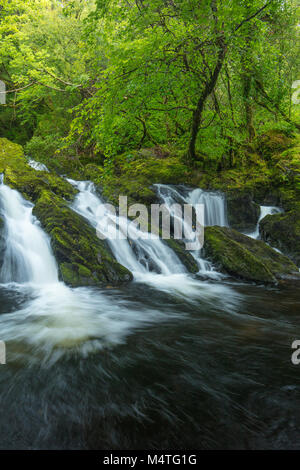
[83, 259]
[242, 211]
[283, 232]
[246, 258]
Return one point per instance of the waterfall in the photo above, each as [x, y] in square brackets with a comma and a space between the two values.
[139, 253]
[214, 214]
[214, 206]
[150, 259]
[54, 320]
[37, 165]
[214, 203]
[264, 211]
[27, 255]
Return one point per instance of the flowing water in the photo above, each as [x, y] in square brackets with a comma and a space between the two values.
[37, 165]
[149, 258]
[168, 361]
[264, 211]
[214, 214]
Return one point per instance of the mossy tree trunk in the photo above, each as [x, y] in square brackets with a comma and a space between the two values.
[206, 92]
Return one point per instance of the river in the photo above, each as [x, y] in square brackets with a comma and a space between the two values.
[170, 361]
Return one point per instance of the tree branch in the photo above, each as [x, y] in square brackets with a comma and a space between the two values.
[252, 16]
[18, 89]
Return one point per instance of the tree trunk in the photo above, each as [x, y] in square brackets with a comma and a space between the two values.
[208, 89]
[248, 106]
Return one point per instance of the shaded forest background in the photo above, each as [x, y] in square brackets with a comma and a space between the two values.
[89, 80]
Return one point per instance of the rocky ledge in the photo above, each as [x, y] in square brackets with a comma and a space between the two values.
[245, 258]
[283, 232]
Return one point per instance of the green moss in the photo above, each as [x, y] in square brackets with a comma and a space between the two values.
[244, 257]
[19, 175]
[93, 172]
[273, 142]
[82, 258]
[185, 256]
[31, 183]
[133, 173]
[10, 151]
[76, 275]
[283, 232]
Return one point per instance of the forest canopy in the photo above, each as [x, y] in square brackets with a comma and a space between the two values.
[97, 78]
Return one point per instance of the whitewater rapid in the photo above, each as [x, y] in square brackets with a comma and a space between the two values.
[56, 320]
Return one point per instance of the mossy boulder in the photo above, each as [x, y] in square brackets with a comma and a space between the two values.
[10, 153]
[184, 255]
[133, 173]
[273, 142]
[245, 258]
[242, 211]
[19, 175]
[283, 232]
[83, 259]
[31, 183]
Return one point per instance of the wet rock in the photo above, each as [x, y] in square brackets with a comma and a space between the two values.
[283, 232]
[243, 257]
[242, 211]
[184, 255]
[83, 259]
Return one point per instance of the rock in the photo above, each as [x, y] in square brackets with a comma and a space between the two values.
[2, 241]
[273, 143]
[283, 232]
[184, 255]
[133, 173]
[243, 257]
[83, 259]
[29, 182]
[242, 212]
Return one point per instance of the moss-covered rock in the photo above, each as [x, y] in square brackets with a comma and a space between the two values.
[31, 183]
[133, 173]
[19, 175]
[272, 143]
[245, 258]
[10, 153]
[184, 255]
[283, 232]
[83, 259]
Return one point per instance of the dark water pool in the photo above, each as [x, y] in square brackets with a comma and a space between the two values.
[205, 378]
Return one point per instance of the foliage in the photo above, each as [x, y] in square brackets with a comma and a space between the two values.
[91, 80]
